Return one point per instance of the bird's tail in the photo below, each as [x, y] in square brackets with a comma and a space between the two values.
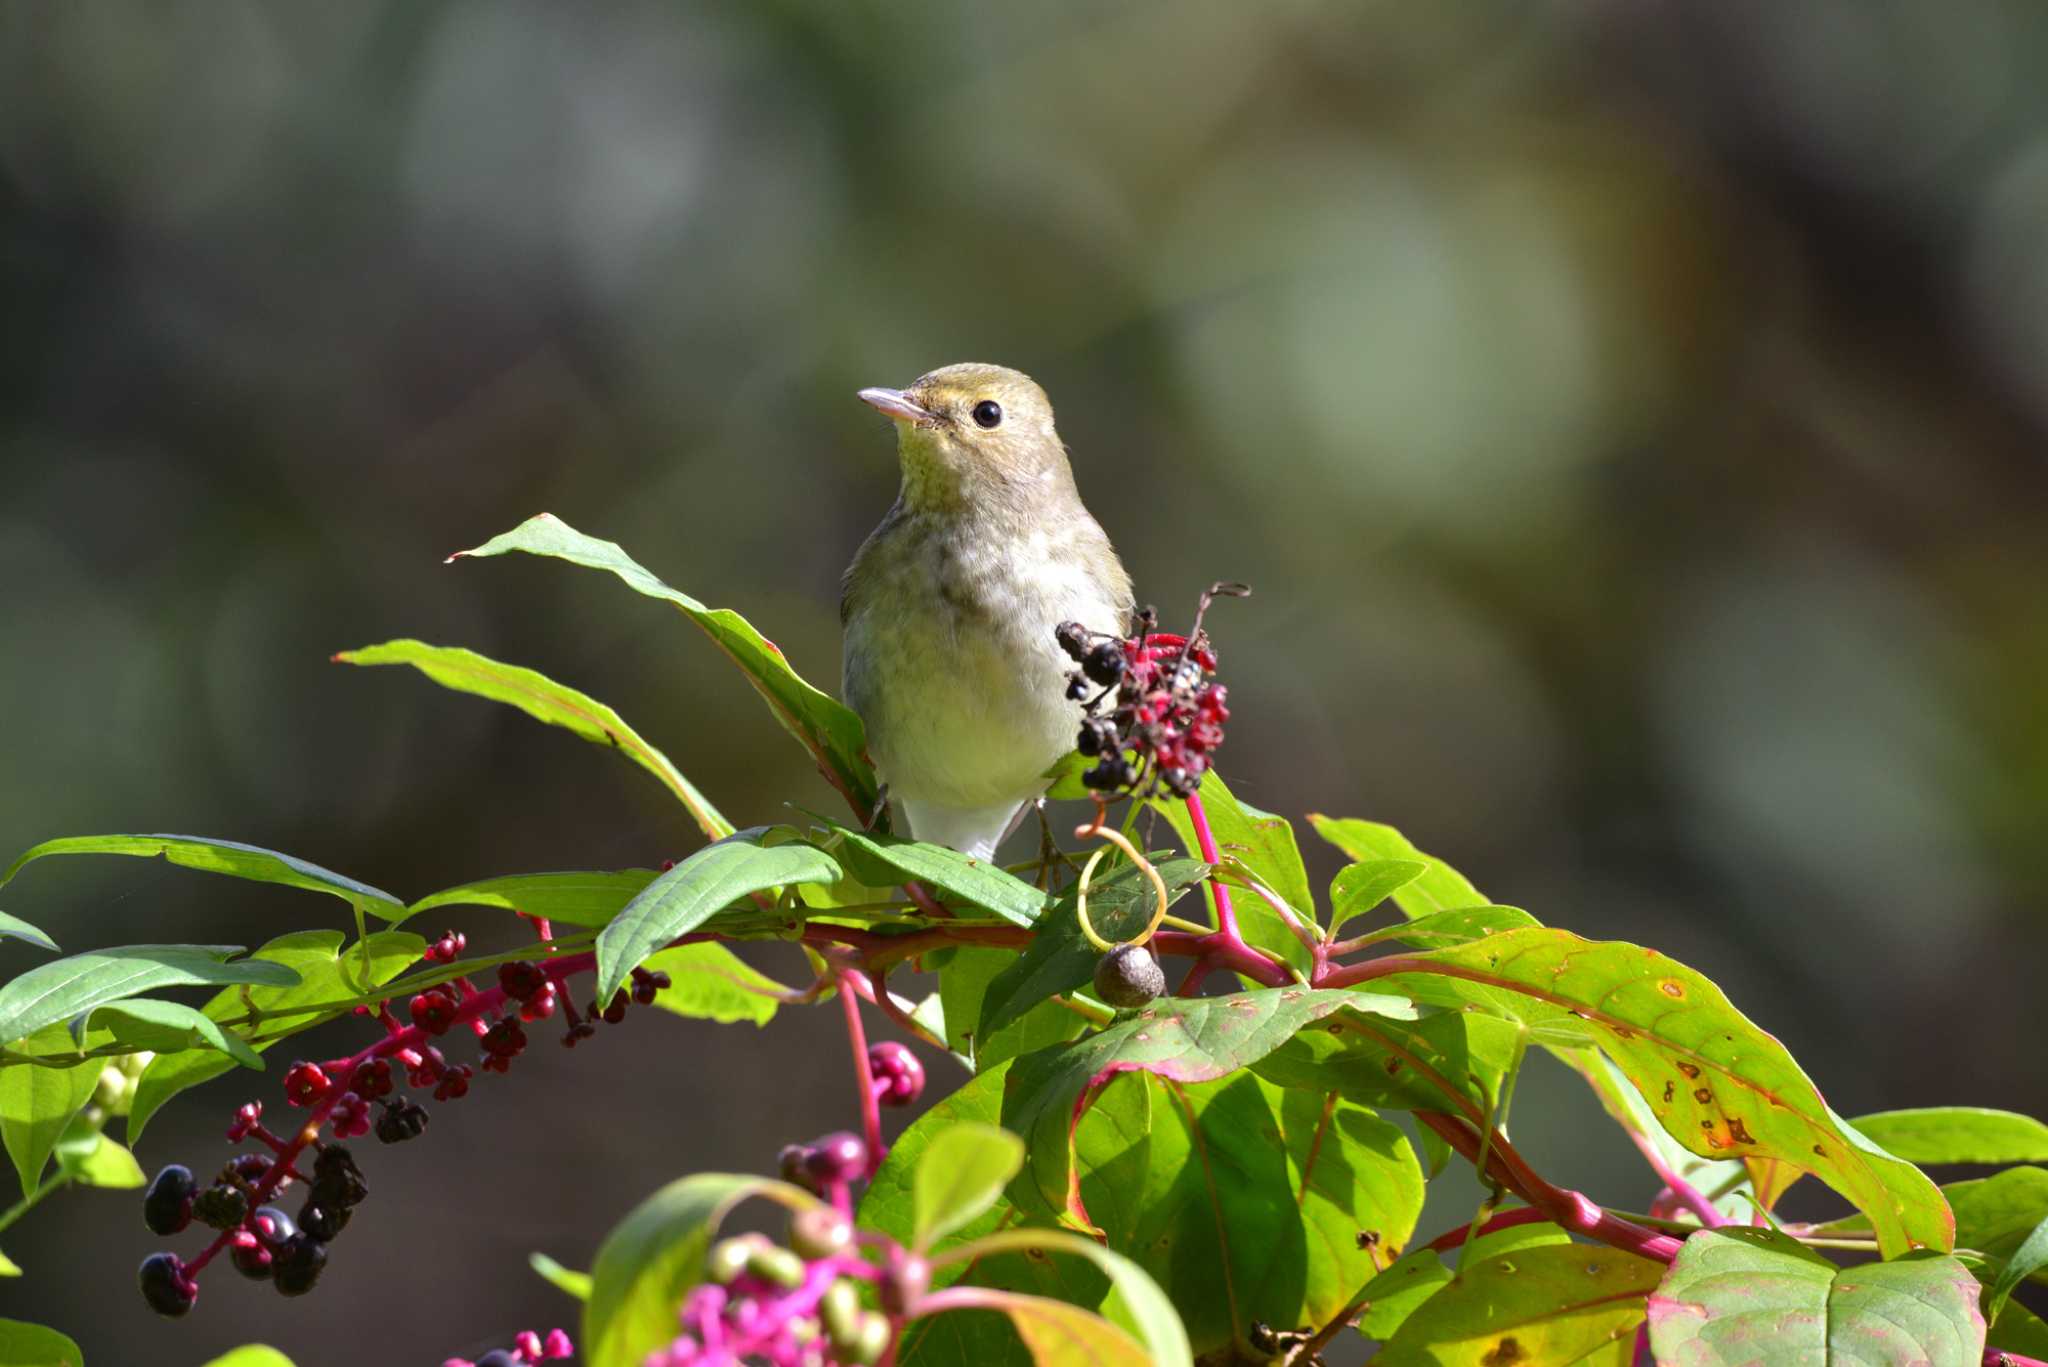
[974, 831]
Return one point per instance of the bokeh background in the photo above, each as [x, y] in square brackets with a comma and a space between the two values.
[1630, 415]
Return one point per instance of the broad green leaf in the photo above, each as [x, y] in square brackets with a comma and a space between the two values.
[884, 860]
[565, 1280]
[1957, 1134]
[1243, 1200]
[1447, 929]
[165, 1027]
[1451, 1062]
[2026, 1260]
[254, 1355]
[544, 700]
[64, 988]
[325, 973]
[34, 1345]
[1060, 958]
[1439, 888]
[37, 1103]
[1185, 1039]
[655, 1255]
[694, 891]
[2019, 1330]
[1718, 1084]
[1994, 1214]
[8, 1267]
[1057, 1334]
[1135, 1302]
[1556, 1303]
[1264, 844]
[1741, 1296]
[576, 898]
[1620, 1099]
[91, 1159]
[827, 727]
[710, 982]
[962, 1173]
[1361, 886]
[964, 980]
[1398, 1292]
[14, 928]
[230, 857]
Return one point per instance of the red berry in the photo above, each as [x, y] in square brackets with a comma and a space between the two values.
[433, 1011]
[305, 1084]
[521, 978]
[248, 1255]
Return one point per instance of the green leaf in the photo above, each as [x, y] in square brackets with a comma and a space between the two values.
[1056, 1334]
[1362, 886]
[1396, 1293]
[710, 982]
[695, 890]
[1957, 1134]
[575, 898]
[37, 1103]
[1451, 1062]
[1060, 958]
[1742, 1296]
[1264, 844]
[91, 1159]
[827, 727]
[2019, 1330]
[884, 860]
[1135, 1302]
[1187, 1040]
[1716, 1083]
[1620, 1099]
[570, 1283]
[326, 972]
[167, 1027]
[1439, 888]
[13, 927]
[964, 981]
[1246, 1201]
[1554, 1303]
[1993, 1215]
[64, 988]
[544, 700]
[2026, 1260]
[8, 1267]
[253, 1355]
[34, 1345]
[962, 1174]
[230, 857]
[655, 1255]
[1447, 929]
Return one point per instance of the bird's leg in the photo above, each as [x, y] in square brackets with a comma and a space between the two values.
[881, 807]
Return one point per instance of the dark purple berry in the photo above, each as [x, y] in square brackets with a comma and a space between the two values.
[839, 1157]
[297, 1265]
[1073, 638]
[794, 1163]
[272, 1225]
[401, 1121]
[521, 979]
[167, 1205]
[337, 1181]
[1077, 688]
[323, 1222]
[1105, 663]
[1129, 976]
[497, 1357]
[165, 1286]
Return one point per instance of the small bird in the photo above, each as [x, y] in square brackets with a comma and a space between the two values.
[951, 604]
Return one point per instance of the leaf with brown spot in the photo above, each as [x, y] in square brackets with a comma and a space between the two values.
[1552, 1304]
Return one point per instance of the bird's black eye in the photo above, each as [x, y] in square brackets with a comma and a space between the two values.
[988, 413]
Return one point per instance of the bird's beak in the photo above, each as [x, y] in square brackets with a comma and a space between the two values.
[896, 404]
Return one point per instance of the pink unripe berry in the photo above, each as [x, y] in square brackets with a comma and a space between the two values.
[899, 1074]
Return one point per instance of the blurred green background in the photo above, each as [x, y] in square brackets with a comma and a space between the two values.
[1630, 416]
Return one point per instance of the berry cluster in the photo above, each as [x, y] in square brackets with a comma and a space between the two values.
[799, 1304]
[898, 1073]
[828, 1166]
[1154, 716]
[527, 1347]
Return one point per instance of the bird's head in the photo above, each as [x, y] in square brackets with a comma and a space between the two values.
[975, 434]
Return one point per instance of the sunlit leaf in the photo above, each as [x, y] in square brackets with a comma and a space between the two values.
[963, 1171]
[37, 1103]
[565, 1280]
[165, 1027]
[1055, 1333]
[1958, 1134]
[1554, 1303]
[1135, 1303]
[964, 982]
[544, 700]
[1361, 886]
[827, 727]
[573, 898]
[34, 1345]
[14, 928]
[1438, 888]
[710, 982]
[253, 1355]
[230, 857]
[1264, 844]
[64, 988]
[91, 1159]
[883, 860]
[1446, 929]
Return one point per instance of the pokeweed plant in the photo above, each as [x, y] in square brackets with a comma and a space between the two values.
[1128, 1175]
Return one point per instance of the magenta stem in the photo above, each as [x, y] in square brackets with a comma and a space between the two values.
[1507, 1219]
[863, 1075]
[1226, 916]
[1689, 1196]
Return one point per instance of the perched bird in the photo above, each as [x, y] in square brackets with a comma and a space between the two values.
[951, 604]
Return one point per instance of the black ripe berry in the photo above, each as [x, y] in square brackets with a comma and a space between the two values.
[1073, 638]
[167, 1205]
[323, 1222]
[272, 1225]
[401, 1121]
[298, 1263]
[337, 1181]
[1104, 664]
[1129, 976]
[165, 1286]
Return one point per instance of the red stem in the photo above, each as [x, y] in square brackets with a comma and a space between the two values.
[1226, 916]
[863, 1075]
[1507, 1219]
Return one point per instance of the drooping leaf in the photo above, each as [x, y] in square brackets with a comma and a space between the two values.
[1718, 1084]
[1958, 1134]
[2026, 1260]
[252, 1355]
[565, 1280]
[827, 728]
[230, 857]
[1245, 1201]
[1055, 1333]
[544, 700]
[325, 973]
[964, 982]
[695, 890]
[1264, 844]
[34, 1345]
[962, 1173]
[37, 1103]
[1439, 888]
[883, 860]
[1060, 958]
[574, 898]
[64, 988]
[165, 1027]
[14, 928]
[655, 1255]
[1555, 1303]
[710, 982]
[1185, 1039]
[1742, 1296]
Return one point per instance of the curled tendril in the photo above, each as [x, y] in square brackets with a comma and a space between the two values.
[1117, 839]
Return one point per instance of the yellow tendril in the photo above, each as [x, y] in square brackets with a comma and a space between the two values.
[1117, 839]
